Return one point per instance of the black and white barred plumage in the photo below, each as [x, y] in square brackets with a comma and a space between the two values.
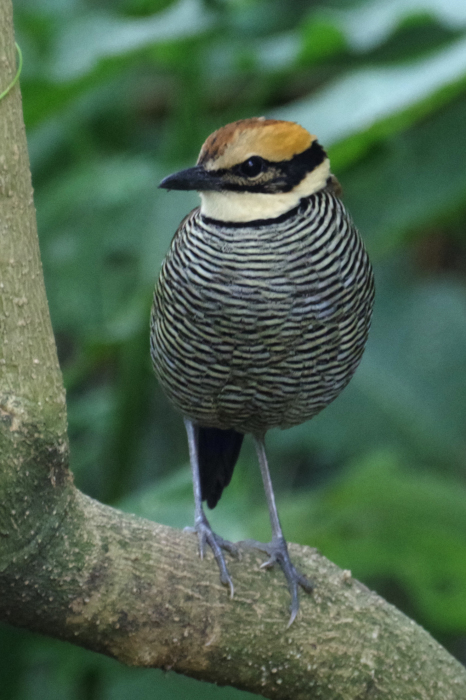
[261, 325]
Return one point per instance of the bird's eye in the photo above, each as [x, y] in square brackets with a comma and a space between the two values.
[252, 166]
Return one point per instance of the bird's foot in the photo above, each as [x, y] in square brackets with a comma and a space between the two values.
[277, 551]
[207, 536]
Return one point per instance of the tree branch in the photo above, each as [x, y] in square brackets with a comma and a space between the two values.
[137, 591]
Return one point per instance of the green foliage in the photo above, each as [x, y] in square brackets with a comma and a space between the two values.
[118, 95]
[398, 528]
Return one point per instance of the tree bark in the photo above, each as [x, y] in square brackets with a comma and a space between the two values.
[137, 591]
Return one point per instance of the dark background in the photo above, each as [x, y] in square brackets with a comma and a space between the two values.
[119, 93]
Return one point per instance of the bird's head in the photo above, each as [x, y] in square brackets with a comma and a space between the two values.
[255, 169]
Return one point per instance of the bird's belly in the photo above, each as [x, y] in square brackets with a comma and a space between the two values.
[254, 358]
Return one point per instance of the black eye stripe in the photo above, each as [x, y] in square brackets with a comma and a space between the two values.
[280, 176]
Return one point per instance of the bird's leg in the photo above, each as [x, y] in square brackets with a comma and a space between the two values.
[277, 549]
[201, 524]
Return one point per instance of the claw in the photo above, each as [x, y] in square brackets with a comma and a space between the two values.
[216, 543]
[278, 554]
[269, 564]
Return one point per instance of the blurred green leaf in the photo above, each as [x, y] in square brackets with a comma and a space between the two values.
[57, 671]
[278, 52]
[97, 36]
[413, 182]
[370, 24]
[170, 501]
[367, 96]
[92, 265]
[320, 40]
[387, 521]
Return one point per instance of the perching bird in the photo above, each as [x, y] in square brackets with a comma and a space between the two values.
[262, 308]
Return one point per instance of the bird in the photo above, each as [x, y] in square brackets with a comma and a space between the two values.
[261, 310]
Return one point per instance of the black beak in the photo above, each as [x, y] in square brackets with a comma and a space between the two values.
[197, 178]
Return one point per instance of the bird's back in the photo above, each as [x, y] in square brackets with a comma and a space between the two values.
[262, 324]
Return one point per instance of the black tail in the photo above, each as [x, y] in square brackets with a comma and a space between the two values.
[218, 452]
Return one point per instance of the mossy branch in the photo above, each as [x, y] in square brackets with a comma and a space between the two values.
[137, 591]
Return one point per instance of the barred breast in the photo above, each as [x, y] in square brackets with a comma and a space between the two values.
[262, 324]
